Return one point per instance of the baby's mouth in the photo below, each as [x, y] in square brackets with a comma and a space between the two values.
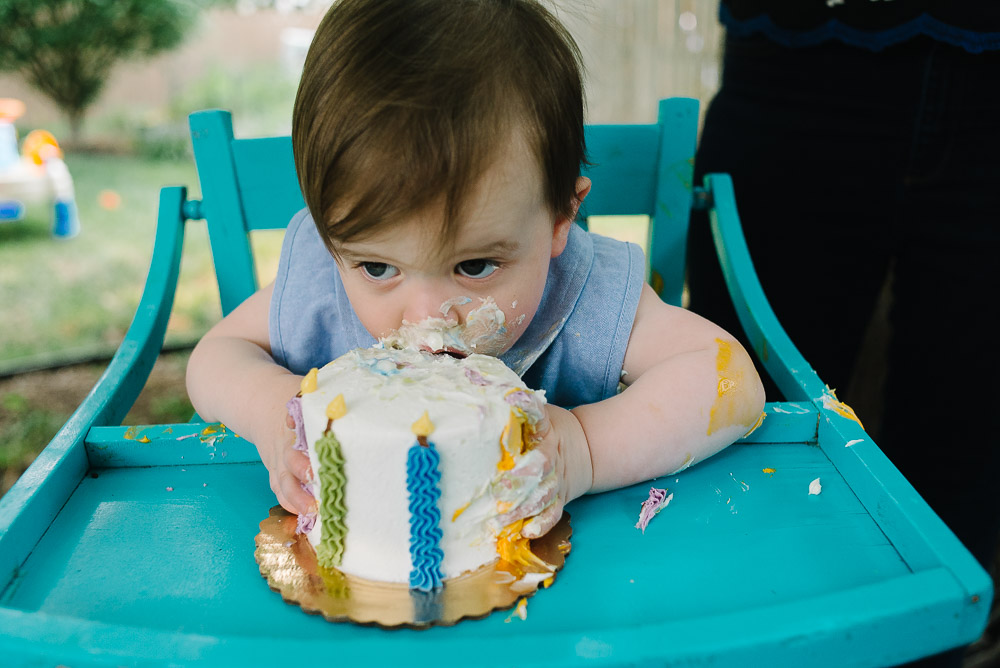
[454, 352]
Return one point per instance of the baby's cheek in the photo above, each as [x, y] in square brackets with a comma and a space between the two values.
[378, 322]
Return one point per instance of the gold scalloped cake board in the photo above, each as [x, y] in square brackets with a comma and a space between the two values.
[288, 561]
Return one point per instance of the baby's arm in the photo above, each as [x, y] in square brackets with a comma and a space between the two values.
[691, 390]
[232, 378]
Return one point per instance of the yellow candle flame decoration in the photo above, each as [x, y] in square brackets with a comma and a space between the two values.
[309, 381]
[423, 427]
[337, 408]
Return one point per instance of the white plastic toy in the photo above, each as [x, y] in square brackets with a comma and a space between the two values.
[35, 184]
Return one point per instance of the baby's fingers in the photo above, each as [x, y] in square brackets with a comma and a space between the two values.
[298, 463]
[542, 523]
[291, 495]
[533, 465]
[536, 500]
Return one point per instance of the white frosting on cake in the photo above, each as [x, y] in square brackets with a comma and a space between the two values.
[385, 391]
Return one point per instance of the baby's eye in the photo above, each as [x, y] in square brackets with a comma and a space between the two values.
[476, 268]
[378, 271]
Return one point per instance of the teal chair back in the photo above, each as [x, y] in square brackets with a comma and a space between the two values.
[640, 169]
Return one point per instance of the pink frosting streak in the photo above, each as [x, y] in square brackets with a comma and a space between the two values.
[306, 523]
[294, 407]
[475, 377]
[657, 500]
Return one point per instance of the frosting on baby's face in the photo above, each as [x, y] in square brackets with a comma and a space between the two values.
[483, 331]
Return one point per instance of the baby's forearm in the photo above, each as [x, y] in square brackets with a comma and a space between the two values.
[677, 413]
[235, 381]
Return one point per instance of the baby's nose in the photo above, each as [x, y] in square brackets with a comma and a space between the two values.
[428, 299]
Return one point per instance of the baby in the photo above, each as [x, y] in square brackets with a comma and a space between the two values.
[438, 145]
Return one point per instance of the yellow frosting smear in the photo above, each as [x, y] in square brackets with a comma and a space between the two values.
[461, 510]
[756, 424]
[515, 552]
[512, 440]
[309, 381]
[336, 409]
[423, 427]
[520, 611]
[506, 461]
[727, 407]
[840, 408]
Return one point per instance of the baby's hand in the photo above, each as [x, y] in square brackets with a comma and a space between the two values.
[289, 470]
[556, 471]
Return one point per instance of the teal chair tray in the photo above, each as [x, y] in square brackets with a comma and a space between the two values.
[135, 545]
[150, 561]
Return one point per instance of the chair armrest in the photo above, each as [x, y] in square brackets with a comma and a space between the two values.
[112, 397]
[786, 365]
[41, 491]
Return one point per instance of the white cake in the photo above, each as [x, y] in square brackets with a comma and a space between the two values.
[474, 413]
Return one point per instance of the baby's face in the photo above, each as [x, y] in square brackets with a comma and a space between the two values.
[477, 294]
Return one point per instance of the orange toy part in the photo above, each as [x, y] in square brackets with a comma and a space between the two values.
[39, 146]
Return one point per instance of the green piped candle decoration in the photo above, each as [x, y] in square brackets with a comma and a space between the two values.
[330, 550]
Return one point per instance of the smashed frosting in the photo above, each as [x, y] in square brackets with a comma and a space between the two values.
[484, 331]
[515, 553]
[294, 408]
[305, 523]
[656, 502]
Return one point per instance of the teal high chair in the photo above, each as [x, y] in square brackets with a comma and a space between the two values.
[134, 546]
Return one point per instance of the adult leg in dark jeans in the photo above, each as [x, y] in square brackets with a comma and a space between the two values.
[846, 161]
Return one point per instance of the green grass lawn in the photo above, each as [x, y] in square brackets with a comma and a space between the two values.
[63, 299]
[77, 296]
[66, 296]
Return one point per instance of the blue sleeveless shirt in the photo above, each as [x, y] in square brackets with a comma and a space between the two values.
[573, 349]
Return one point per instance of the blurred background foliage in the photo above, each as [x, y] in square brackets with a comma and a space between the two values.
[66, 49]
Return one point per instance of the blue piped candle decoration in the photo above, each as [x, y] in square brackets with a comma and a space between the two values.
[422, 478]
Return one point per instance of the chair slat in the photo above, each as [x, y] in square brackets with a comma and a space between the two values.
[678, 123]
[623, 169]
[268, 184]
[222, 206]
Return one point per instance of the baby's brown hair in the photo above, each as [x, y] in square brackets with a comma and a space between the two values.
[403, 104]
